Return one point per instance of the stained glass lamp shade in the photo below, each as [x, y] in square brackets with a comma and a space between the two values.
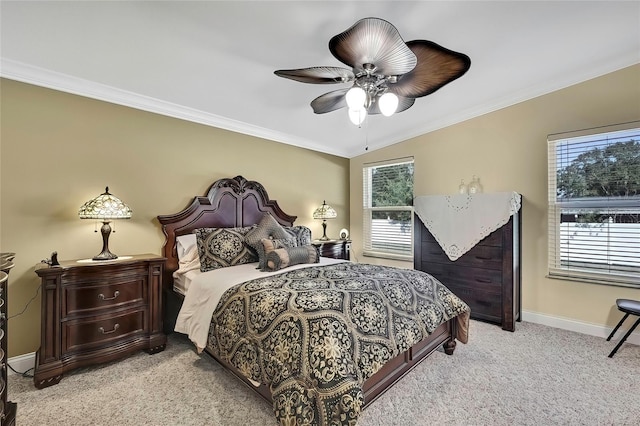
[324, 212]
[105, 207]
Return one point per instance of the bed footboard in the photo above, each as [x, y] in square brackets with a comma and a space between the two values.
[391, 372]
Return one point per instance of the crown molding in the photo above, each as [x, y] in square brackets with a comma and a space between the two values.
[26, 73]
[30, 74]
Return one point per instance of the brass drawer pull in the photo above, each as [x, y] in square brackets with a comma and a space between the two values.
[115, 327]
[102, 297]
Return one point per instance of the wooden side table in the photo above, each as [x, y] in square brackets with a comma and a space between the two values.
[98, 311]
[337, 249]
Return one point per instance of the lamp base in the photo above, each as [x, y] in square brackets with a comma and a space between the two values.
[105, 255]
[324, 231]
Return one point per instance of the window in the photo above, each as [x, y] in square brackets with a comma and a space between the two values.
[594, 205]
[388, 209]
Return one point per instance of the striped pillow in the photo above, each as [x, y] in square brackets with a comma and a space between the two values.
[289, 256]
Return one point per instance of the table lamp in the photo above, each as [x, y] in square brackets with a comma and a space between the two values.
[105, 207]
[324, 212]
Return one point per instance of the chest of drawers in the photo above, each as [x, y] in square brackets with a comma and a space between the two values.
[94, 312]
[487, 277]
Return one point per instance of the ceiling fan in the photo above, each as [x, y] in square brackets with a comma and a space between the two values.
[387, 73]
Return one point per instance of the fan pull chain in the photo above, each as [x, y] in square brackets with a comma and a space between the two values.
[366, 135]
[96, 226]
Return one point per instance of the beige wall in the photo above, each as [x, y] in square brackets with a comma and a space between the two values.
[59, 150]
[507, 149]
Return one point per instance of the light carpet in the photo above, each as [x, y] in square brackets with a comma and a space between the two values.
[537, 375]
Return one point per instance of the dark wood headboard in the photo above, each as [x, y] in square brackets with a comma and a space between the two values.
[229, 202]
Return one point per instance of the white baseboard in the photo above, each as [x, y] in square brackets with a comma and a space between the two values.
[25, 362]
[22, 363]
[583, 327]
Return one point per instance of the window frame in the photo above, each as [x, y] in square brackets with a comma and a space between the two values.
[368, 248]
[559, 269]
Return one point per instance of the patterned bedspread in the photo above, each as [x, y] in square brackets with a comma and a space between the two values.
[314, 335]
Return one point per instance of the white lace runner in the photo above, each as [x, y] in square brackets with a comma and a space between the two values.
[459, 222]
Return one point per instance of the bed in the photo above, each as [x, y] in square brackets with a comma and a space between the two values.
[340, 358]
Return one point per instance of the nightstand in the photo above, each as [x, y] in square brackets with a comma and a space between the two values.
[98, 311]
[337, 249]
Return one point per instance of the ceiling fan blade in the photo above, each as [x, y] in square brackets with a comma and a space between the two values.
[330, 101]
[436, 67]
[403, 105]
[373, 41]
[318, 75]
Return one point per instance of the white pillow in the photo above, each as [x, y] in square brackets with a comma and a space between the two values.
[190, 260]
[184, 243]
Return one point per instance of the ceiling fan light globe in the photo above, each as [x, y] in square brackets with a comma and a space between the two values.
[357, 116]
[388, 104]
[356, 97]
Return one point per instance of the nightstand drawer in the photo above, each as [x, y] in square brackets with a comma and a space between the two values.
[92, 298]
[336, 249]
[79, 335]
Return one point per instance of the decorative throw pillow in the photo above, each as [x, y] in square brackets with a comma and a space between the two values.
[270, 245]
[302, 234]
[222, 247]
[289, 256]
[267, 228]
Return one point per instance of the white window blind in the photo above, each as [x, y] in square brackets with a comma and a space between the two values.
[388, 209]
[594, 206]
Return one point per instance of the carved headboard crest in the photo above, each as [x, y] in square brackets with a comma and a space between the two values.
[239, 185]
[229, 202]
